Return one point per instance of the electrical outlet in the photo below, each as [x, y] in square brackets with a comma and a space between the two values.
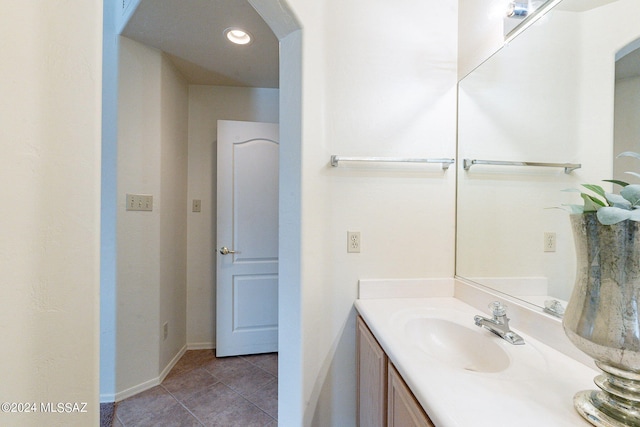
[165, 330]
[353, 241]
[139, 202]
[549, 242]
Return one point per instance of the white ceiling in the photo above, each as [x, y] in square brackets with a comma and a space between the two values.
[190, 32]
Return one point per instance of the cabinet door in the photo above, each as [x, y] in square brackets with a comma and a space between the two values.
[404, 409]
[372, 379]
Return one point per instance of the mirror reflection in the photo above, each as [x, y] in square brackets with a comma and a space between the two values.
[546, 97]
[627, 109]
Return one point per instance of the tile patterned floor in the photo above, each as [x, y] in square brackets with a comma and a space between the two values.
[202, 390]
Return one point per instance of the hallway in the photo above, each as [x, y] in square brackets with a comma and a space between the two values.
[202, 390]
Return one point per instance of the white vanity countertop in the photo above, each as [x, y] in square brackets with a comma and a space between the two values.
[535, 390]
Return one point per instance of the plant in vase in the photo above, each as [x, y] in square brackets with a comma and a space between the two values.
[612, 208]
[602, 317]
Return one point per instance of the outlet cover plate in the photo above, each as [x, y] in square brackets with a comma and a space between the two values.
[353, 242]
[549, 242]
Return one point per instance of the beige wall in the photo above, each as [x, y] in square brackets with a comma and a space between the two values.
[173, 211]
[50, 173]
[152, 159]
[365, 92]
[207, 104]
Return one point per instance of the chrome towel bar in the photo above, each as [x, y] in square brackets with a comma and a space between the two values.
[336, 159]
[568, 167]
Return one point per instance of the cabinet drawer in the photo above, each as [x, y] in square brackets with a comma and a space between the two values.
[372, 378]
[404, 409]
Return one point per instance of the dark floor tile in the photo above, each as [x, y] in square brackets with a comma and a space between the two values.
[183, 385]
[195, 393]
[242, 413]
[266, 398]
[210, 401]
[268, 361]
[136, 406]
[153, 407]
[192, 359]
[248, 382]
[224, 365]
[240, 375]
[174, 416]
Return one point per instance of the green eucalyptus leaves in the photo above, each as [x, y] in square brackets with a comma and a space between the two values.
[612, 208]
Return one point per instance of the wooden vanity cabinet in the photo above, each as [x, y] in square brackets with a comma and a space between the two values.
[372, 378]
[403, 408]
[384, 399]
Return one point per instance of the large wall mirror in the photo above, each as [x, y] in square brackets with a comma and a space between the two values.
[556, 94]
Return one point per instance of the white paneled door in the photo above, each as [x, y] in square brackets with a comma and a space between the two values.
[247, 235]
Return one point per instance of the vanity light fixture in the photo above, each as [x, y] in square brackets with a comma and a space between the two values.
[531, 19]
[237, 35]
[517, 9]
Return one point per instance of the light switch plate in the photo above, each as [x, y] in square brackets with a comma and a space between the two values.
[139, 202]
[196, 206]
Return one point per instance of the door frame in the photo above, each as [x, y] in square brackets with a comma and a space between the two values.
[279, 17]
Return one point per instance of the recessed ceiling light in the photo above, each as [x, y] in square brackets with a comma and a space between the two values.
[237, 35]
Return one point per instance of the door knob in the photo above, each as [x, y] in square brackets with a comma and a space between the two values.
[225, 251]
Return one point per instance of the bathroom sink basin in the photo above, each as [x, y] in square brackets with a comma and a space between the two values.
[464, 375]
[457, 346]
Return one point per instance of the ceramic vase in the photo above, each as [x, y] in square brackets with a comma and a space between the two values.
[602, 319]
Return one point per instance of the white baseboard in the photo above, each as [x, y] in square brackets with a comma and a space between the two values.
[172, 363]
[201, 346]
[139, 388]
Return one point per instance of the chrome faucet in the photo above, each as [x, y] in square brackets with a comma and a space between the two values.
[499, 325]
